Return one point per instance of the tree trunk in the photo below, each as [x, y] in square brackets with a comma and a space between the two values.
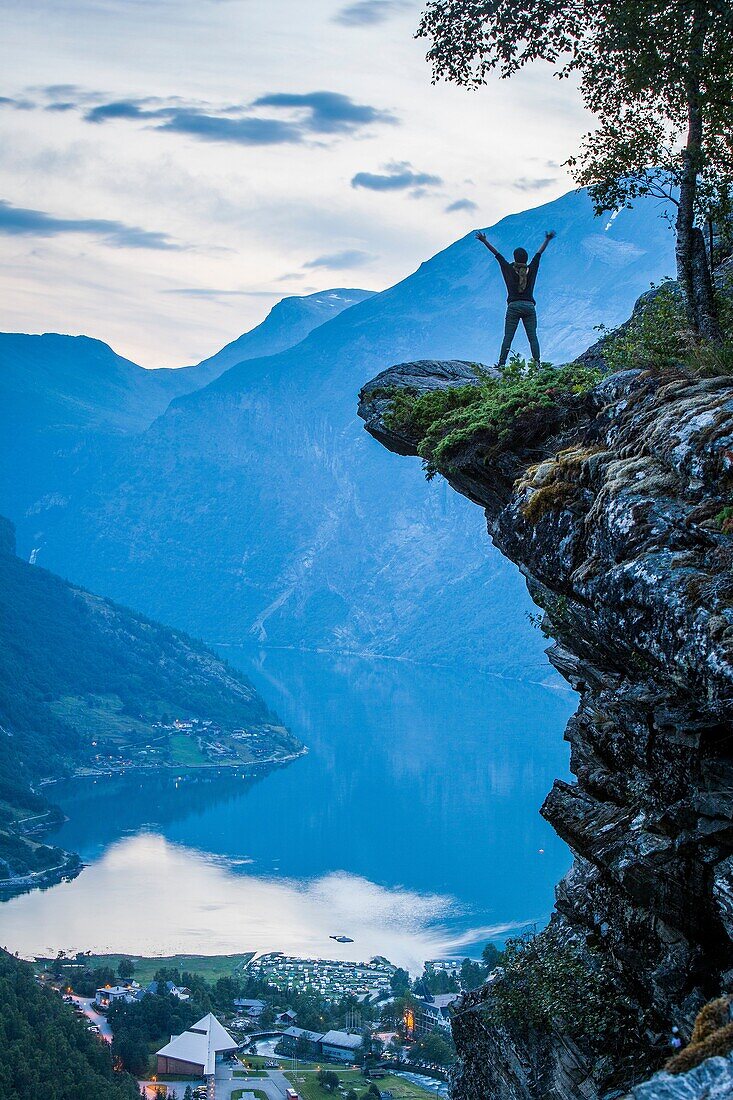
[693, 270]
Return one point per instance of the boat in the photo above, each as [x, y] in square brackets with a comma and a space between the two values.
[341, 939]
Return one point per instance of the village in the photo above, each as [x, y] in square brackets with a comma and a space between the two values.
[266, 1047]
[185, 743]
[331, 978]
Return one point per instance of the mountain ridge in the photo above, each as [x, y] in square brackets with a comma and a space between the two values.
[235, 514]
[87, 686]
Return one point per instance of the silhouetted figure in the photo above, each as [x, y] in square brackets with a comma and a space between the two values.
[520, 278]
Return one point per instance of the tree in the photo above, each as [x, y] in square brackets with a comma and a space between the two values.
[658, 75]
[435, 1049]
[328, 1080]
[399, 982]
[126, 968]
[397, 1011]
[473, 974]
[491, 956]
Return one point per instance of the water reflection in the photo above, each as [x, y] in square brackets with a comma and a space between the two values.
[193, 898]
[414, 820]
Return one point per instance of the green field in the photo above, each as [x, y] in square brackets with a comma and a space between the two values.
[256, 1061]
[210, 967]
[306, 1082]
[258, 1094]
[185, 751]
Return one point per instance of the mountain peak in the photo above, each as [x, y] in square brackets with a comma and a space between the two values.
[289, 321]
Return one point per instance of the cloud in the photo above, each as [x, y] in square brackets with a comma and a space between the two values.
[121, 108]
[238, 131]
[328, 112]
[201, 124]
[336, 261]
[18, 221]
[461, 204]
[17, 104]
[213, 292]
[526, 184]
[367, 13]
[320, 112]
[396, 177]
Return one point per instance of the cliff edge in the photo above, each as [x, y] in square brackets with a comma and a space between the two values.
[613, 497]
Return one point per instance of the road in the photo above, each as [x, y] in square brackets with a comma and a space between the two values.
[87, 1004]
[272, 1082]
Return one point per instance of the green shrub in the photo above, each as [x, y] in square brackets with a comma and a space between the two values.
[658, 337]
[549, 983]
[724, 519]
[446, 419]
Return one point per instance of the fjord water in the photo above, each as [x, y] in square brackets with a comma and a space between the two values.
[412, 825]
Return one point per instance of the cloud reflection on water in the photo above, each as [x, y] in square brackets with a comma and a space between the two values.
[212, 908]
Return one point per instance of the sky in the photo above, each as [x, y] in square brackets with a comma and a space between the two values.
[172, 168]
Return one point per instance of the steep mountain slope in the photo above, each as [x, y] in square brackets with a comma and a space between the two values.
[254, 508]
[611, 499]
[59, 395]
[86, 684]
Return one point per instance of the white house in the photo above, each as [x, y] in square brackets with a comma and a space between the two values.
[109, 995]
[197, 1050]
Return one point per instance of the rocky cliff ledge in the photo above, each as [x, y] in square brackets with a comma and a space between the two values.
[609, 501]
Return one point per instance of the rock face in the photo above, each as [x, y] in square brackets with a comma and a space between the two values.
[607, 503]
[713, 1080]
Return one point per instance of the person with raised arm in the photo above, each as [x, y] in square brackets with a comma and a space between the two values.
[520, 278]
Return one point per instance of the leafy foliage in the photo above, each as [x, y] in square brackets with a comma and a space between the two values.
[658, 337]
[328, 1080]
[433, 1049]
[45, 1052]
[549, 983]
[724, 519]
[656, 74]
[655, 338]
[146, 1024]
[446, 419]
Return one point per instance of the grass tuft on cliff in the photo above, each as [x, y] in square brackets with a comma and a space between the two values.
[446, 419]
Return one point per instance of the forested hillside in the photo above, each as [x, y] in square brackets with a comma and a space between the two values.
[45, 1052]
[87, 684]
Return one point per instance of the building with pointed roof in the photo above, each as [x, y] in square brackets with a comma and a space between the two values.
[196, 1051]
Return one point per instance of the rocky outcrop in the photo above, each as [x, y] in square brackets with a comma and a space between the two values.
[609, 503]
[713, 1080]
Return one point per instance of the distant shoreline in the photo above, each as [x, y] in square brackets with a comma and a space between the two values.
[73, 865]
[188, 769]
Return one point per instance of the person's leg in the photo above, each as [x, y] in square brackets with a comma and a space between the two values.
[529, 318]
[510, 328]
